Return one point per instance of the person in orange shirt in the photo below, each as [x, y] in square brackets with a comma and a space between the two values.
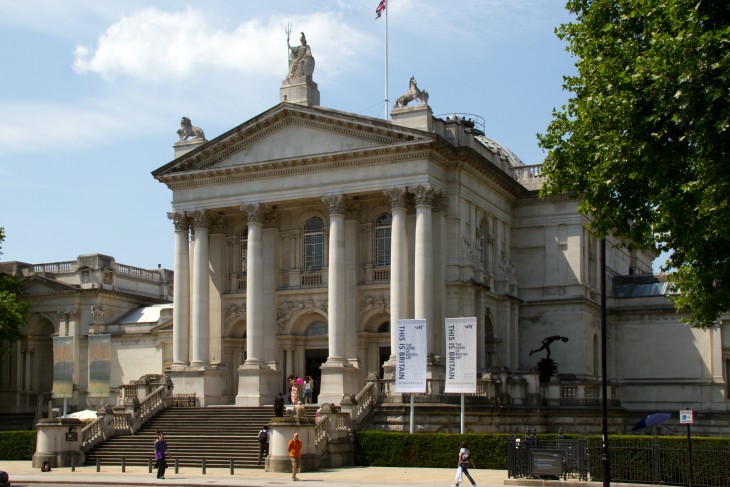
[295, 455]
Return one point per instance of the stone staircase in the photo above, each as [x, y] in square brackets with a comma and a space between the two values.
[216, 434]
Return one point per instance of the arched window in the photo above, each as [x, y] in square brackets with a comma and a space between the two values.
[243, 250]
[317, 329]
[382, 240]
[313, 245]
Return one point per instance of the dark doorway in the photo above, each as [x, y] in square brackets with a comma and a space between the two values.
[313, 359]
[384, 357]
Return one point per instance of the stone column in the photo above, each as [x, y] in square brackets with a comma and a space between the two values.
[218, 283]
[423, 270]
[254, 284]
[398, 263]
[201, 287]
[336, 282]
[181, 291]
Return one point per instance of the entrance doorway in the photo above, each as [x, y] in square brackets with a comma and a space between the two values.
[313, 359]
[384, 357]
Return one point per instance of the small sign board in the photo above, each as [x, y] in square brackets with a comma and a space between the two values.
[686, 416]
[545, 462]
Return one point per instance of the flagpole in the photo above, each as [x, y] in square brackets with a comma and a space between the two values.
[387, 7]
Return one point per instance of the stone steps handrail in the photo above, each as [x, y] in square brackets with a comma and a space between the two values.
[126, 422]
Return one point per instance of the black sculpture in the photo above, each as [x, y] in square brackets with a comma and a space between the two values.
[547, 366]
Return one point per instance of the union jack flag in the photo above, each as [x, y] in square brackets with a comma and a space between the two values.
[379, 10]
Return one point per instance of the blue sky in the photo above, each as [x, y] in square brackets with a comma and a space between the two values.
[92, 93]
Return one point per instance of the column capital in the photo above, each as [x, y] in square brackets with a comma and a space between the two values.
[424, 195]
[180, 219]
[399, 197]
[440, 202]
[201, 219]
[255, 212]
[336, 203]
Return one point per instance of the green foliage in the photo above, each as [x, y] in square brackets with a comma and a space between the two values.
[644, 138]
[13, 309]
[17, 445]
[432, 450]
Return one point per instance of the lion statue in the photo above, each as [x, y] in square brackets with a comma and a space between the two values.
[413, 94]
[187, 130]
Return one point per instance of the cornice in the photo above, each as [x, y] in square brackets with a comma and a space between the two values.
[538, 200]
[299, 165]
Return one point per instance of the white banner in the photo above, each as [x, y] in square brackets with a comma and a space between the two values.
[461, 355]
[410, 369]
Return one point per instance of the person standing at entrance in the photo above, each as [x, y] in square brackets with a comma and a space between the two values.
[279, 406]
[308, 384]
[161, 454]
[295, 455]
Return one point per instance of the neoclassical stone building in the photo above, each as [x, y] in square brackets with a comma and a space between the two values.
[303, 233]
[79, 300]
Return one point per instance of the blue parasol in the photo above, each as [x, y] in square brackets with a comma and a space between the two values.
[651, 420]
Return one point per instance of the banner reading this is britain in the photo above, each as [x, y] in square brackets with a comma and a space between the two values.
[461, 355]
[410, 367]
[100, 354]
[63, 367]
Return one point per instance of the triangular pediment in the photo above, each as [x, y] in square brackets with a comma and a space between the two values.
[290, 132]
[37, 286]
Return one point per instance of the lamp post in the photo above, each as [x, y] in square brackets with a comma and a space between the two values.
[605, 459]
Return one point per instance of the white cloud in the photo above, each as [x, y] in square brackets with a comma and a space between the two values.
[158, 46]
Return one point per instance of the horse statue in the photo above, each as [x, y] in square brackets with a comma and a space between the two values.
[187, 130]
[413, 94]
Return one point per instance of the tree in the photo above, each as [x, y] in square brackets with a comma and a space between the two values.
[13, 309]
[643, 140]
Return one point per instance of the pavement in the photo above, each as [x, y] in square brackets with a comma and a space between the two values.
[22, 473]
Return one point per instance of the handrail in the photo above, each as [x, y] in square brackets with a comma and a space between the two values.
[123, 422]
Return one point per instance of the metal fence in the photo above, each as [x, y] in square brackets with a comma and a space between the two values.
[641, 460]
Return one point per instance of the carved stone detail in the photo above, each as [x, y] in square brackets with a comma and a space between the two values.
[234, 311]
[371, 303]
[286, 309]
[399, 197]
[255, 212]
[201, 219]
[336, 203]
[218, 223]
[180, 219]
[424, 195]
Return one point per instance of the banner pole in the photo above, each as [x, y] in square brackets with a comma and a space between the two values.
[387, 116]
[412, 414]
[462, 413]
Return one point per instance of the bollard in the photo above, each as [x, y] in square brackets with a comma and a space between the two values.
[177, 466]
[203, 465]
[73, 464]
[124, 464]
[149, 466]
[98, 464]
[231, 466]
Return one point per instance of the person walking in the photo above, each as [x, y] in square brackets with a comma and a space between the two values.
[263, 437]
[295, 455]
[279, 405]
[463, 469]
[161, 454]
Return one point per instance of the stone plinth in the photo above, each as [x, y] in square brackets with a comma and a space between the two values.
[300, 90]
[416, 117]
[184, 146]
[256, 385]
[338, 379]
[282, 430]
[207, 383]
[58, 442]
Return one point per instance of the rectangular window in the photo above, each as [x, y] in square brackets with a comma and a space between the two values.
[382, 246]
[313, 252]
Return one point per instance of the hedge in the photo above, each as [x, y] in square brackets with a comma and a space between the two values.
[436, 450]
[17, 445]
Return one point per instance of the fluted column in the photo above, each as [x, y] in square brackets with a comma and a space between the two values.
[336, 279]
[254, 284]
[201, 286]
[181, 291]
[398, 263]
[423, 271]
